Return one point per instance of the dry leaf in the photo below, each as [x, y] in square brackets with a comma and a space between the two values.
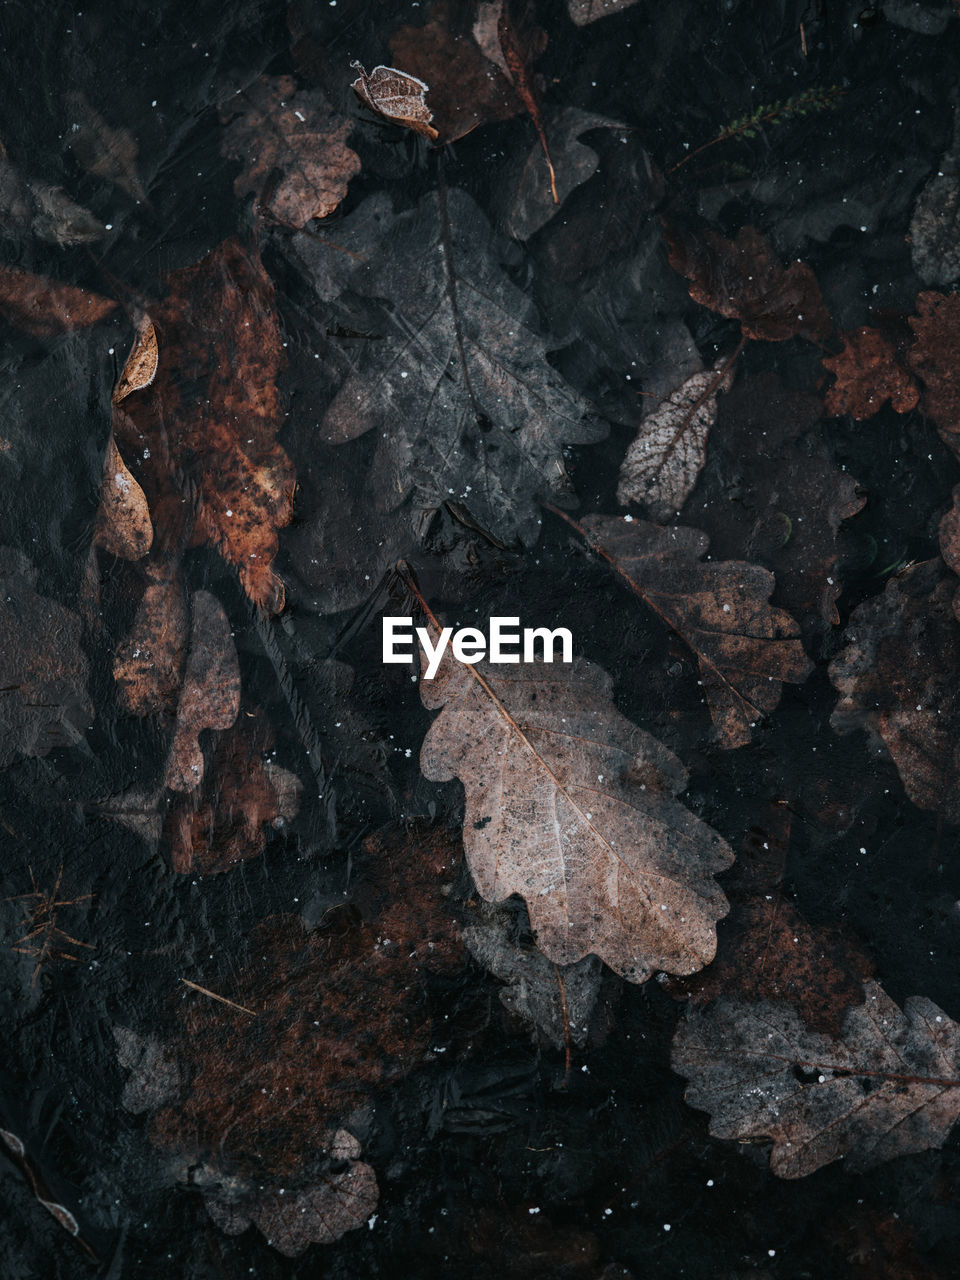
[867, 374]
[583, 12]
[744, 280]
[663, 464]
[43, 671]
[888, 1086]
[141, 366]
[746, 649]
[28, 205]
[572, 806]
[109, 153]
[934, 358]
[396, 96]
[210, 696]
[123, 527]
[293, 146]
[148, 666]
[45, 307]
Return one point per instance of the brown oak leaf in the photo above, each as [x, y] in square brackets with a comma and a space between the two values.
[899, 679]
[44, 307]
[744, 280]
[293, 146]
[867, 374]
[746, 648]
[887, 1086]
[205, 429]
[935, 359]
[574, 807]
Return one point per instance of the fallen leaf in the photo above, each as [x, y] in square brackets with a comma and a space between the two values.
[28, 205]
[934, 357]
[746, 648]
[397, 96]
[867, 374]
[888, 1086]
[43, 671]
[514, 54]
[44, 307]
[744, 280]
[205, 428]
[456, 384]
[102, 150]
[898, 677]
[154, 1078]
[210, 694]
[293, 146]
[949, 535]
[573, 807]
[148, 665]
[141, 366]
[664, 462]
[123, 527]
[935, 223]
[583, 12]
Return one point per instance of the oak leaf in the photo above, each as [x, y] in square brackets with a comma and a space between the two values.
[397, 96]
[746, 648]
[44, 307]
[867, 373]
[889, 1085]
[574, 807]
[744, 280]
[293, 146]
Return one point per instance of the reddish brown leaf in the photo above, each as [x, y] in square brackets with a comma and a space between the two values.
[935, 359]
[888, 1086]
[745, 647]
[899, 679]
[141, 366]
[206, 428]
[293, 146]
[123, 527]
[46, 307]
[744, 280]
[397, 96]
[43, 671]
[148, 665]
[867, 374]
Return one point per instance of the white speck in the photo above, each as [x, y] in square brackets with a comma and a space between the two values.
[666, 1226]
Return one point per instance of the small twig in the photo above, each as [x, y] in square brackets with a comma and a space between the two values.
[204, 991]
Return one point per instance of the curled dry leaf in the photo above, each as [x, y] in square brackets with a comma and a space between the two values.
[397, 96]
[574, 807]
[205, 429]
[45, 307]
[123, 526]
[934, 357]
[293, 146]
[583, 12]
[746, 648]
[663, 464]
[888, 1086]
[102, 150]
[141, 366]
[43, 671]
[148, 665]
[210, 696]
[899, 679]
[744, 280]
[867, 374]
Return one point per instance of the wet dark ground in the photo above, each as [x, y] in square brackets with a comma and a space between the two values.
[492, 1158]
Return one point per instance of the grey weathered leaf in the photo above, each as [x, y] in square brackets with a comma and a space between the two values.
[583, 12]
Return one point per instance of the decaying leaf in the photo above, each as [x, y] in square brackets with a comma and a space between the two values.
[746, 648]
[583, 12]
[888, 1086]
[154, 1078]
[141, 366]
[744, 280]
[45, 307]
[867, 374]
[935, 223]
[43, 671]
[573, 807]
[210, 695]
[293, 146]
[102, 150]
[205, 429]
[934, 357]
[663, 464]
[31, 206]
[397, 96]
[949, 535]
[457, 387]
[148, 665]
[123, 527]
[899, 679]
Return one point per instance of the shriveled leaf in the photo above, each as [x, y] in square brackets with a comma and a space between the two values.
[141, 366]
[205, 429]
[888, 1086]
[663, 464]
[746, 648]
[45, 307]
[456, 385]
[397, 96]
[148, 665]
[934, 357]
[210, 696]
[293, 146]
[43, 671]
[899, 680]
[744, 280]
[867, 374]
[572, 806]
[583, 12]
[123, 526]
[102, 150]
